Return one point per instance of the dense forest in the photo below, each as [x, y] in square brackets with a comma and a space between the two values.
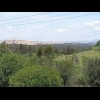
[55, 65]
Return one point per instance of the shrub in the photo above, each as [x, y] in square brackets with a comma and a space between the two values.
[4, 48]
[34, 60]
[1, 77]
[97, 48]
[98, 43]
[49, 51]
[40, 61]
[66, 68]
[92, 71]
[10, 63]
[39, 52]
[36, 76]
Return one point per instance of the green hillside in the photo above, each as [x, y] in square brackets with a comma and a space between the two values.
[90, 53]
[79, 74]
[20, 66]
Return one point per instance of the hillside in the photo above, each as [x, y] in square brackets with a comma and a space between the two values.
[79, 69]
[90, 53]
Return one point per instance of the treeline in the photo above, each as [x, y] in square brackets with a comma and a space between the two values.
[66, 48]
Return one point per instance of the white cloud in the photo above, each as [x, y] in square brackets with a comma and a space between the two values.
[96, 22]
[97, 28]
[61, 30]
[10, 27]
[93, 25]
[89, 24]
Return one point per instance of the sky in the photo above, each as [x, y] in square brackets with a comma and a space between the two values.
[50, 26]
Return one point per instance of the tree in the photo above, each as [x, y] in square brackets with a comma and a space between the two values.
[36, 76]
[39, 52]
[98, 43]
[63, 51]
[10, 63]
[49, 51]
[92, 71]
[4, 48]
[23, 49]
[1, 76]
[34, 60]
[30, 50]
[75, 58]
[56, 50]
[66, 68]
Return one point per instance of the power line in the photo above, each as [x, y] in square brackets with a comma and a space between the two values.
[24, 16]
[57, 19]
[42, 18]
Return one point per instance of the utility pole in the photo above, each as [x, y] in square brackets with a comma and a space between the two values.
[14, 44]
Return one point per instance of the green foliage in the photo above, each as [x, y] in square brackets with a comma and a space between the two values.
[30, 50]
[49, 51]
[36, 76]
[75, 58]
[66, 68]
[1, 76]
[34, 60]
[92, 70]
[10, 63]
[40, 52]
[67, 51]
[74, 69]
[45, 61]
[98, 43]
[4, 48]
[96, 48]
[23, 49]
[56, 50]
[40, 61]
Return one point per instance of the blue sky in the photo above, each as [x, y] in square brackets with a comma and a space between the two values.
[86, 27]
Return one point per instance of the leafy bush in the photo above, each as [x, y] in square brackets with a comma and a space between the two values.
[98, 43]
[1, 76]
[10, 63]
[39, 52]
[97, 48]
[92, 70]
[75, 58]
[36, 76]
[4, 48]
[66, 68]
[49, 51]
[34, 60]
[40, 61]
